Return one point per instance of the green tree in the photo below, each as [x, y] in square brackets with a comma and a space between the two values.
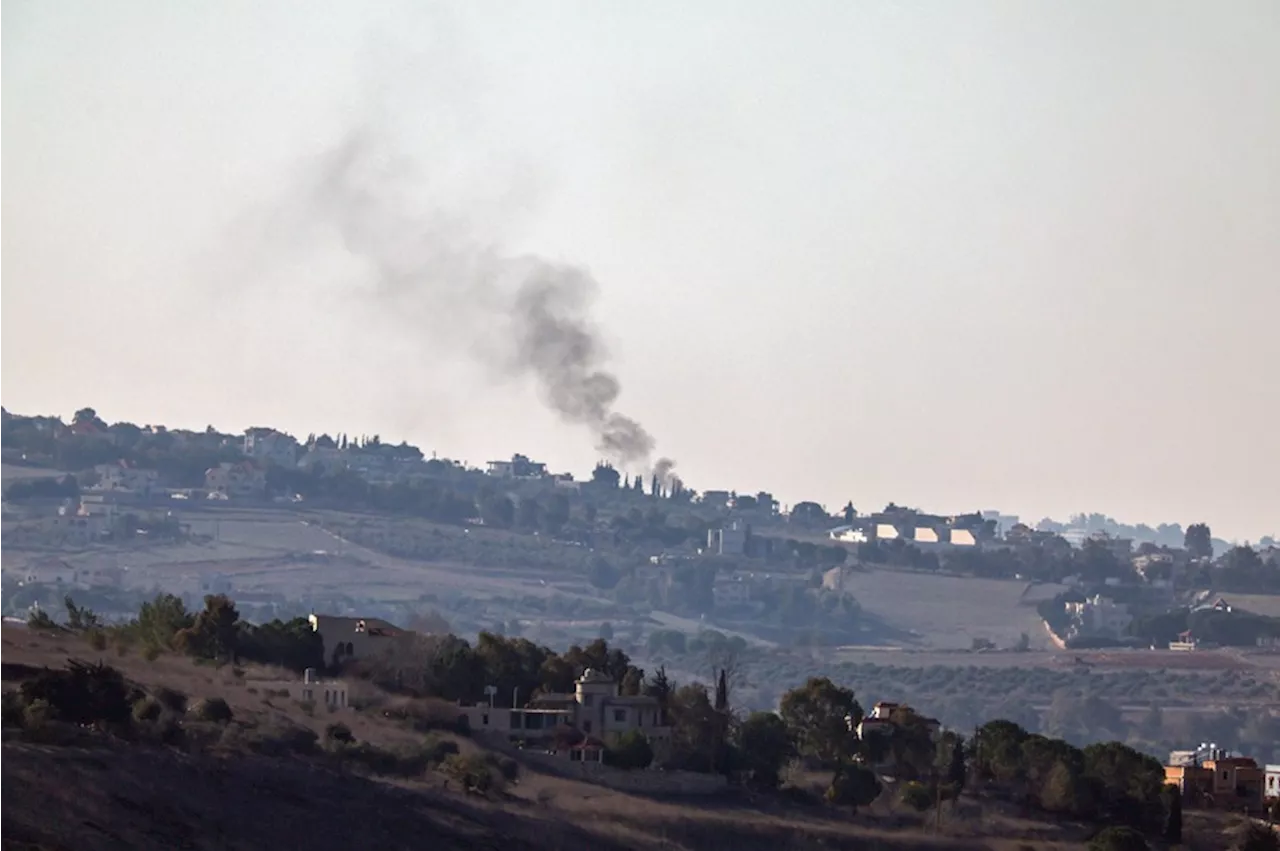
[78, 619]
[1060, 791]
[605, 475]
[765, 747]
[660, 688]
[1172, 831]
[631, 751]
[998, 751]
[159, 620]
[291, 644]
[916, 796]
[911, 743]
[1118, 838]
[213, 634]
[955, 771]
[808, 514]
[853, 786]
[819, 716]
[1198, 540]
[1128, 783]
[498, 511]
[556, 513]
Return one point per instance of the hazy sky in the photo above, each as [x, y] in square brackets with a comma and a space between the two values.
[1016, 255]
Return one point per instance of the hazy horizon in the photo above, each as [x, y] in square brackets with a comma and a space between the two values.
[956, 256]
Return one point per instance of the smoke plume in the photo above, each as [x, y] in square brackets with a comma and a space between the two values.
[524, 316]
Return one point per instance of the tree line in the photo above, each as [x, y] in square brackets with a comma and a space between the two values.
[817, 723]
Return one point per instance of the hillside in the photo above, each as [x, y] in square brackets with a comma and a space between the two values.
[81, 791]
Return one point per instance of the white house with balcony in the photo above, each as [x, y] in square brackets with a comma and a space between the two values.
[595, 708]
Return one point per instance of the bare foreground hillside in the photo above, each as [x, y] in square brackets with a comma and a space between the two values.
[81, 791]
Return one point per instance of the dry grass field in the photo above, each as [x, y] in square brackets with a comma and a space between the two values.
[112, 794]
[947, 612]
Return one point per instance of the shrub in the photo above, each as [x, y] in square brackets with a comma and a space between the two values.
[147, 709]
[152, 653]
[340, 733]
[440, 749]
[632, 750]
[281, 740]
[916, 796]
[473, 772]
[507, 767]
[404, 762]
[98, 640]
[212, 709]
[82, 694]
[37, 714]
[171, 699]
[1118, 839]
[11, 709]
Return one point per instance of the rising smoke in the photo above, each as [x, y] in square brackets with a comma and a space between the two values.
[428, 270]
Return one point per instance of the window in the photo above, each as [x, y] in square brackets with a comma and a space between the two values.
[588, 699]
[620, 716]
[484, 719]
[586, 726]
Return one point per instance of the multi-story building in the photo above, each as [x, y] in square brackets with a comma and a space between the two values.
[124, 477]
[244, 480]
[728, 540]
[269, 445]
[595, 708]
[348, 638]
[1220, 781]
[1097, 616]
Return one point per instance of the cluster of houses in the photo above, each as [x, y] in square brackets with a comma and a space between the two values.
[595, 708]
[1210, 777]
[927, 531]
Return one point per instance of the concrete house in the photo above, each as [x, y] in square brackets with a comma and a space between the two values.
[728, 540]
[269, 445]
[880, 721]
[122, 476]
[310, 689]
[242, 481]
[1098, 616]
[348, 638]
[594, 707]
[1221, 782]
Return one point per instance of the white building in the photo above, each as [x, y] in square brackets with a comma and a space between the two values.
[271, 446]
[243, 480]
[848, 535]
[595, 708]
[310, 689]
[1098, 616]
[728, 540]
[121, 477]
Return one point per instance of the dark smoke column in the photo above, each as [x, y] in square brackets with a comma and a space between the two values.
[430, 277]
